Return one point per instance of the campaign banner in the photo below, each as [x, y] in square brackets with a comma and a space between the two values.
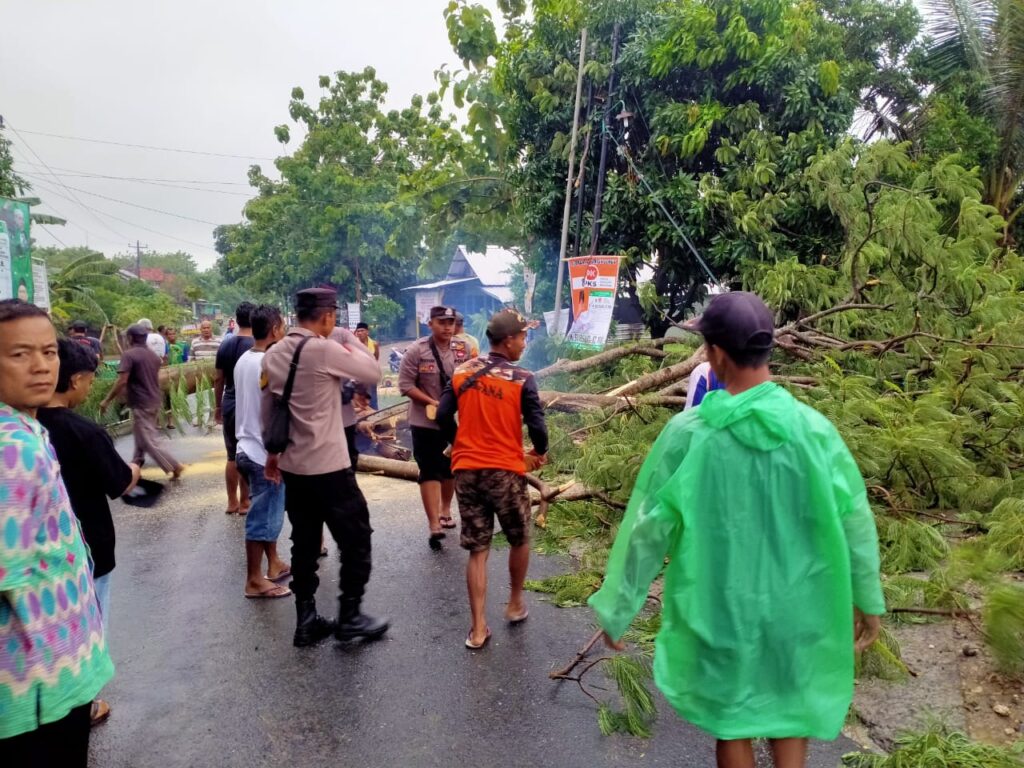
[354, 315]
[41, 284]
[425, 300]
[18, 260]
[595, 283]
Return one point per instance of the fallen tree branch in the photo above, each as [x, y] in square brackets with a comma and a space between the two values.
[956, 612]
[662, 377]
[842, 308]
[571, 402]
[562, 674]
[650, 349]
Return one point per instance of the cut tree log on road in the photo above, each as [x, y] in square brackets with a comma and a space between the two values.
[377, 465]
[192, 373]
[650, 349]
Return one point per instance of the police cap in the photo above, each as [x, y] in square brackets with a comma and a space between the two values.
[442, 312]
[316, 298]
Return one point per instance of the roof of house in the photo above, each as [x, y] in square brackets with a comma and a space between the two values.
[493, 269]
[152, 274]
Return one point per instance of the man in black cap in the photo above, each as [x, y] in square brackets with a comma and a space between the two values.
[139, 376]
[494, 399]
[319, 480]
[427, 367]
[773, 579]
[78, 331]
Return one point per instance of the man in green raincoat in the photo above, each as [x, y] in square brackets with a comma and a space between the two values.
[772, 580]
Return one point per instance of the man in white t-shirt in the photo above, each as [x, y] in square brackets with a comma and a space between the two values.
[265, 519]
[155, 343]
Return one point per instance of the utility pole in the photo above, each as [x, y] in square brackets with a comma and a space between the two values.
[595, 227]
[581, 179]
[568, 183]
[138, 257]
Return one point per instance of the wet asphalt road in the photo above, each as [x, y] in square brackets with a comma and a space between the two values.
[207, 678]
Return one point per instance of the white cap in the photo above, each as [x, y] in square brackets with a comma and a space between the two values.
[146, 323]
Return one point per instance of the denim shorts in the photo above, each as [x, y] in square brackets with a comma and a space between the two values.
[266, 515]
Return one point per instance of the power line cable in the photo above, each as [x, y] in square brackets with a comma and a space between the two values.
[76, 172]
[88, 232]
[145, 229]
[148, 183]
[73, 196]
[148, 146]
[143, 207]
[657, 201]
[47, 230]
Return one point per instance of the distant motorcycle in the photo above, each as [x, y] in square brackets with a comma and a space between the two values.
[395, 360]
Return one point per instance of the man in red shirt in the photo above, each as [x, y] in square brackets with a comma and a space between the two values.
[493, 399]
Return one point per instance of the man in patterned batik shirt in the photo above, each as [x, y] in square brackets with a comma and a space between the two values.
[53, 653]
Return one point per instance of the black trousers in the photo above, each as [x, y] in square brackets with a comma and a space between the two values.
[63, 744]
[353, 452]
[334, 500]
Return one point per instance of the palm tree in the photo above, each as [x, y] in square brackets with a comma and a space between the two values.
[72, 287]
[986, 38]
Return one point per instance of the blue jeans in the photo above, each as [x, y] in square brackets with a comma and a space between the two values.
[102, 584]
[266, 515]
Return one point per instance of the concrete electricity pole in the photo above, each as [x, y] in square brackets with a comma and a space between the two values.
[138, 257]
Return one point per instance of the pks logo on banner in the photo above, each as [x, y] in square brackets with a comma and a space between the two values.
[595, 282]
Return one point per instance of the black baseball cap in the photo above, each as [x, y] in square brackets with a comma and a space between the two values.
[737, 321]
[137, 331]
[79, 325]
[316, 298]
[442, 312]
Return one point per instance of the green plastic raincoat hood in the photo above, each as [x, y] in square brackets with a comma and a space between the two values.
[761, 418]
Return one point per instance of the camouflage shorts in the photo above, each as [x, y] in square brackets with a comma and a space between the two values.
[486, 493]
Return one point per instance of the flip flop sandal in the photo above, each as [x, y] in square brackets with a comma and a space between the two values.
[447, 522]
[282, 575]
[469, 640]
[271, 593]
[99, 713]
[435, 541]
[520, 618]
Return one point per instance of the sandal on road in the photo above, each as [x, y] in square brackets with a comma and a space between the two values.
[270, 593]
[435, 541]
[281, 576]
[518, 618]
[446, 522]
[477, 646]
[99, 713]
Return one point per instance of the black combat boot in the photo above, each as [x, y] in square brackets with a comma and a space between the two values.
[310, 627]
[354, 624]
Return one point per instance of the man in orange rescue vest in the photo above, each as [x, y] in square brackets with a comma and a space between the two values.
[493, 399]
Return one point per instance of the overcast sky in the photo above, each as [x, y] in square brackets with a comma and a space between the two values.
[211, 77]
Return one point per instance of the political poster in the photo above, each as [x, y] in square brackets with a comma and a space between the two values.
[425, 299]
[595, 283]
[354, 315]
[6, 275]
[41, 284]
[16, 269]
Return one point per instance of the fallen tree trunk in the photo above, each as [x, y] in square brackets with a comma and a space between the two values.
[572, 402]
[650, 349]
[573, 491]
[377, 465]
[192, 373]
[662, 377]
